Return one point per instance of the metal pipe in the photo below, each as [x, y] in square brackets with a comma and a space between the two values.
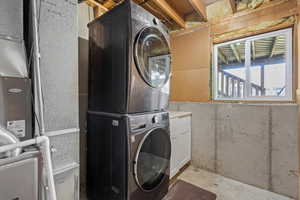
[7, 138]
[37, 70]
[44, 143]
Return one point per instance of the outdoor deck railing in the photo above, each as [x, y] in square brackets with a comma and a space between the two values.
[233, 86]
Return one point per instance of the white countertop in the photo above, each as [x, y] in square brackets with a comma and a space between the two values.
[176, 114]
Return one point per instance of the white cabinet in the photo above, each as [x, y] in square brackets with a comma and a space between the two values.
[180, 127]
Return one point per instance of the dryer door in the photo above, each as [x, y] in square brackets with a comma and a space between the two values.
[152, 57]
[152, 159]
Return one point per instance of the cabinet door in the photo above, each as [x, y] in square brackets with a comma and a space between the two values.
[174, 148]
[187, 137]
[173, 168]
[181, 143]
[185, 148]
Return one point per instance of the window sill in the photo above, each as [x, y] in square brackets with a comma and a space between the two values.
[239, 101]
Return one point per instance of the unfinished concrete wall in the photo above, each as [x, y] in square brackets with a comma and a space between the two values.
[59, 73]
[252, 143]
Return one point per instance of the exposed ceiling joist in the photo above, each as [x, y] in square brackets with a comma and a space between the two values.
[99, 9]
[253, 50]
[170, 12]
[232, 5]
[222, 57]
[236, 52]
[109, 4]
[273, 48]
[199, 7]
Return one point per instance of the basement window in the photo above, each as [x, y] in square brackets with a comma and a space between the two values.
[257, 68]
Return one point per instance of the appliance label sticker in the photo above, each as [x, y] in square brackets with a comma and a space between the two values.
[17, 127]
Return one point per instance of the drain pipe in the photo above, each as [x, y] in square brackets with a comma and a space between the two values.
[37, 71]
[43, 142]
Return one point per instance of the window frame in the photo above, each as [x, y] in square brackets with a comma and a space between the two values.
[288, 32]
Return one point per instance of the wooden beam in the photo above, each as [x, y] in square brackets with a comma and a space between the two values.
[200, 8]
[236, 52]
[232, 5]
[253, 50]
[99, 9]
[95, 3]
[273, 11]
[222, 56]
[109, 4]
[273, 47]
[170, 12]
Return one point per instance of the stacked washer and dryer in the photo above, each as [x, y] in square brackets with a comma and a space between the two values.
[128, 143]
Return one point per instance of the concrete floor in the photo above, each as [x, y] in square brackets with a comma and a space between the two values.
[225, 188]
[224, 134]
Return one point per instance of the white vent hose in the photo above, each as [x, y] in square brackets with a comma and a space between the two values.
[6, 138]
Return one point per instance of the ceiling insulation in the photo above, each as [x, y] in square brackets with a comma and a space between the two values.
[250, 4]
[218, 10]
[268, 25]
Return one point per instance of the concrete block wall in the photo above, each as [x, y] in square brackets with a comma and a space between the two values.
[253, 143]
[58, 30]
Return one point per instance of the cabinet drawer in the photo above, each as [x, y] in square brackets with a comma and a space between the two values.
[180, 125]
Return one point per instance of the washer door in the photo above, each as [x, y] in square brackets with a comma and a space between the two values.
[152, 159]
[152, 57]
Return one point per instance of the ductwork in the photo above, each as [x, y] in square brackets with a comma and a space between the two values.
[12, 51]
[7, 138]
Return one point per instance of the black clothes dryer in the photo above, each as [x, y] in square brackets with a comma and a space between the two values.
[129, 61]
[128, 156]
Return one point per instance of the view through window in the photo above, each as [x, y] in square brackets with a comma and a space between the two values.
[254, 68]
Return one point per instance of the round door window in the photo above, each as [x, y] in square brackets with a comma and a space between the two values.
[152, 57]
[152, 159]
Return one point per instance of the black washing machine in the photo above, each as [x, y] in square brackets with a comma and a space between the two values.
[129, 61]
[128, 156]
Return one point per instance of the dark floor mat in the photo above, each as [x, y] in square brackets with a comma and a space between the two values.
[185, 191]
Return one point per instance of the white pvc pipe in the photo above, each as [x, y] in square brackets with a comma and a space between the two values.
[37, 70]
[44, 142]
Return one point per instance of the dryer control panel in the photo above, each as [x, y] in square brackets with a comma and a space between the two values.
[147, 121]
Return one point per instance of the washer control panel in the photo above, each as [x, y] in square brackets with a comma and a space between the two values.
[155, 119]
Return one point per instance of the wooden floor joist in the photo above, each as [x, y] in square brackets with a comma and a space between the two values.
[232, 5]
[273, 48]
[199, 7]
[236, 52]
[99, 9]
[170, 12]
[109, 4]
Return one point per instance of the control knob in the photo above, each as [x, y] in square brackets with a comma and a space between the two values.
[155, 120]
